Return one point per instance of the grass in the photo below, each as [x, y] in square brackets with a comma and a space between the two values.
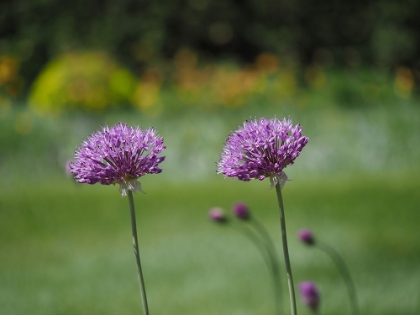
[66, 248]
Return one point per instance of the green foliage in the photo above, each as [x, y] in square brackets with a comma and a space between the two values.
[84, 81]
[92, 82]
[141, 32]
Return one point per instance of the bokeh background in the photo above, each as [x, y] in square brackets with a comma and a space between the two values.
[348, 72]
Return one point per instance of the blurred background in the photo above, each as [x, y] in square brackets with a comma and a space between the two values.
[348, 72]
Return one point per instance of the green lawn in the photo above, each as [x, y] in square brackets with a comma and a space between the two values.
[66, 248]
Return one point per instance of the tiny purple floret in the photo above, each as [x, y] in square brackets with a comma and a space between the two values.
[309, 294]
[306, 236]
[261, 148]
[241, 211]
[118, 155]
[216, 214]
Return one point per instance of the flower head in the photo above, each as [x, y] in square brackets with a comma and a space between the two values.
[309, 294]
[306, 236]
[118, 155]
[261, 148]
[241, 211]
[216, 214]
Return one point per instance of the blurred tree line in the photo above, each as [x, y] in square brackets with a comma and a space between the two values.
[345, 33]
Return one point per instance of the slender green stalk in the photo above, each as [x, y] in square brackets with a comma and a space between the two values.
[256, 241]
[345, 273]
[271, 250]
[137, 254]
[264, 234]
[270, 261]
[286, 250]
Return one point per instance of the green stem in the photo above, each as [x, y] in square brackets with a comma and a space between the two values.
[264, 234]
[286, 251]
[270, 261]
[256, 241]
[345, 273]
[137, 254]
[271, 250]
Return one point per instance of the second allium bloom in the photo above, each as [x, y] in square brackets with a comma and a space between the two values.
[118, 155]
[261, 148]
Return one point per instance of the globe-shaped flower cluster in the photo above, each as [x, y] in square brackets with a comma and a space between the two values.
[118, 155]
[261, 148]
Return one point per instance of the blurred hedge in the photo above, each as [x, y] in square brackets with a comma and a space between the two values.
[93, 82]
[87, 81]
[139, 32]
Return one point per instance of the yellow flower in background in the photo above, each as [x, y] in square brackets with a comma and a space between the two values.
[147, 95]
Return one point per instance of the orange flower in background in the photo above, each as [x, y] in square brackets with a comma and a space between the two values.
[404, 82]
[8, 69]
[267, 63]
[9, 76]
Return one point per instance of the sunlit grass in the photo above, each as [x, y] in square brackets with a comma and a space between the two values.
[66, 248]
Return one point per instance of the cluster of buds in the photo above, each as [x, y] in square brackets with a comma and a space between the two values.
[239, 210]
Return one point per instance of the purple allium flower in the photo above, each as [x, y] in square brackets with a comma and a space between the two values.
[261, 148]
[217, 215]
[309, 294]
[241, 211]
[306, 236]
[118, 155]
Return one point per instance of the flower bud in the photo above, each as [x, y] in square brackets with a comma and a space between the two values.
[216, 214]
[241, 211]
[306, 236]
[309, 294]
